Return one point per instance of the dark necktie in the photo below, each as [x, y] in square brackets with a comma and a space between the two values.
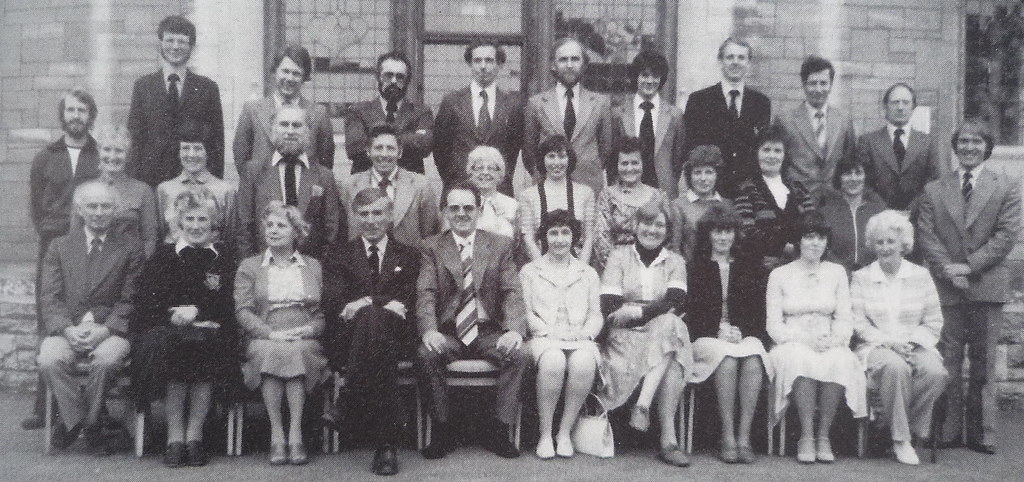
[734, 109]
[383, 186]
[483, 126]
[374, 260]
[291, 196]
[967, 185]
[172, 90]
[95, 246]
[389, 110]
[898, 148]
[647, 144]
[569, 121]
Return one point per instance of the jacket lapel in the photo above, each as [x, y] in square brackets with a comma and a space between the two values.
[360, 263]
[883, 145]
[551, 109]
[481, 255]
[803, 122]
[916, 139]
[387, 269]
[264, 113]
[664, 118]
[626, 115]
[954, 202]
[77, 262]
[586, 104]
[833, 127]
[979, 197]
[450, 258]
[306, 183]
[403, 194]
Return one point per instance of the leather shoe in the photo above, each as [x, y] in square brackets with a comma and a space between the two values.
[33, 422]
[174, 456]
[297, 454]
[981, 448]
[61, 438]
[385, 461]
[502, 447]
[196, 453]
[278, 454]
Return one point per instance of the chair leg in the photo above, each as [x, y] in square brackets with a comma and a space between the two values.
[419, 420]
[691, 406]
[48, 421]
[140, 430]
[230, 450]
[239, 427]
[517, 437]
[782, 435]
[862, 438]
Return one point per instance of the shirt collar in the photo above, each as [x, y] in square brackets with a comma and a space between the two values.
[662, 255]
[182, 244]
[656, 100]
[296, 260]
[727, 86]
[376, 178]
[879, 276]
[975, 173]
[694, 197]
[203, 178]
[168, 69]
[277, 157]
[460, 241]
[384, 103]
[491, 89]
[560, 90]
[382, 245]
[89, 236]
[279, 100]
[891, 129]
[811, 110]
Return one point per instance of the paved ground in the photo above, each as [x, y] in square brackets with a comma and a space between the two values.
[21, 460]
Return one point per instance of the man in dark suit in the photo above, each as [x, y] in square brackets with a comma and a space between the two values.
[88, 282]
[480, 114]
[470, 305]
[56, 170]
[414, 123]
[897, 159]
[969, 223]
[655, 121]
[821, 134]
[729, 115]
[170, 100]
[582, 116]
[371, 285]
[289, 176]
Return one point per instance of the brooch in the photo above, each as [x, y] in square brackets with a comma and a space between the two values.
[317, 191]
[213, 281]
[398, 269]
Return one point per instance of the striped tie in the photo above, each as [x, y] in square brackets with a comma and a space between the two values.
[466, 320]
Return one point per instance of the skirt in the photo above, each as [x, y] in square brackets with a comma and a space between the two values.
[838, 365]
[538, 346]
[709, 352]
[184, 354]
[285, 359]
[631, 353]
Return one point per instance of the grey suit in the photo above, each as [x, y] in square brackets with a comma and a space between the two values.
[809, 163]
[669, 148]
[252, 136]
[416, 216]
[591, 139]
[979, 232]
[900, 185]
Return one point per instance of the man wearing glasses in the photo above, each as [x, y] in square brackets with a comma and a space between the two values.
[413, 123]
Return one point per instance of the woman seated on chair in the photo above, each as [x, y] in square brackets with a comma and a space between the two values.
[808, 318]
[648, 345]
[897, 320]
[725, 315]
[563, 309]
[277, 302]
[184, 334]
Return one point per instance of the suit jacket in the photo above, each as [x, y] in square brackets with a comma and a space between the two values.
[72, 286]
[808, 163]
[347, 277]
[416, 214]
[252, 136]
[708, 121]
[455, 132]
[495, 278]
[980, 233]
[414, 123]
[669, 142]
[591, 139]
[319, 201]
[899, 187]
[51, 185]
[156, 127]
[747, 278]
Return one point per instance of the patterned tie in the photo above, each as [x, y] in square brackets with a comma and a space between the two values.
[819, 129]
[374, 260]
[483, 126]
[967, 185]
[172, 90]
[466, 320]
[898, 148]
[647, 144]
[734, 109]
[383, 186]
[569, 121]
[291, 196]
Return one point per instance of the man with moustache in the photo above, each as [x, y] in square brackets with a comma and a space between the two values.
[414, 202]
[414, 123]
[470, 305]
[968, 224]
[582, 116]
[56, 170]
[729, 115]
[370, 289]
[821, 134]
[655, 121]
[289, 175]
[170, 100]
[480, 114]
[88, 283]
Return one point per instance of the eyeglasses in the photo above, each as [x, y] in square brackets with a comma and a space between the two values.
[456, 209]
[175, 41]
[489, 168]
[393, 75]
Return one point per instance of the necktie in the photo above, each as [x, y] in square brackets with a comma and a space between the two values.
[466, 318]
[898, 148]
[733, 108]
[390, 109]
[569, 121]
[647, 144]
[383, 186]
[819, 128]
[374, 260]
[483, 126]
[967, 186]
[95, 246]
[172, 90]
[291, 196]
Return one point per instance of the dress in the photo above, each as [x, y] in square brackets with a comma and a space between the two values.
[732, 294]
[615, 220]
[629, 354]
[178, 275]
[267, 299]
[559, 300]
[800, 307]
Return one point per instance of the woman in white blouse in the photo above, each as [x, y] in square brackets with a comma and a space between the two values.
[897, 319]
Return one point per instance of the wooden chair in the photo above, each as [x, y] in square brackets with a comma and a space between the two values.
[473, 373]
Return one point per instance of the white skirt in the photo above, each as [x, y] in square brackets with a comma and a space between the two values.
[838, 365]
[709, 352]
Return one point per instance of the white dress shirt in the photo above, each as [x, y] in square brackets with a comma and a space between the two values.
[728, 86]
[276, 159]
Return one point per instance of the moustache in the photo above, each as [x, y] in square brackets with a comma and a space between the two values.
[392, 92]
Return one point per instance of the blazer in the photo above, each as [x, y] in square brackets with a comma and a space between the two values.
[252, 135]
[900, 187]
[919, 318]
[415, 215]
[807, 162]
[455, 132]
[414, 123]
[981, 234]
[591, 139]
[156, 127]
[708, 121]
[319, 201]
[495, 279]
[72, 286]
[669, 142]
[747, 279]
[251, 297]
[347, 276]
[52, 184]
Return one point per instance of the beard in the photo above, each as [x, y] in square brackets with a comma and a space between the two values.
[75, 129]
[392, 92]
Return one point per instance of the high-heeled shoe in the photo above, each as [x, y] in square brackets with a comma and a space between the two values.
[805, 451]
[297, 454]
[825, 451]
[546, 448]
[278, 454]
[564, 448]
